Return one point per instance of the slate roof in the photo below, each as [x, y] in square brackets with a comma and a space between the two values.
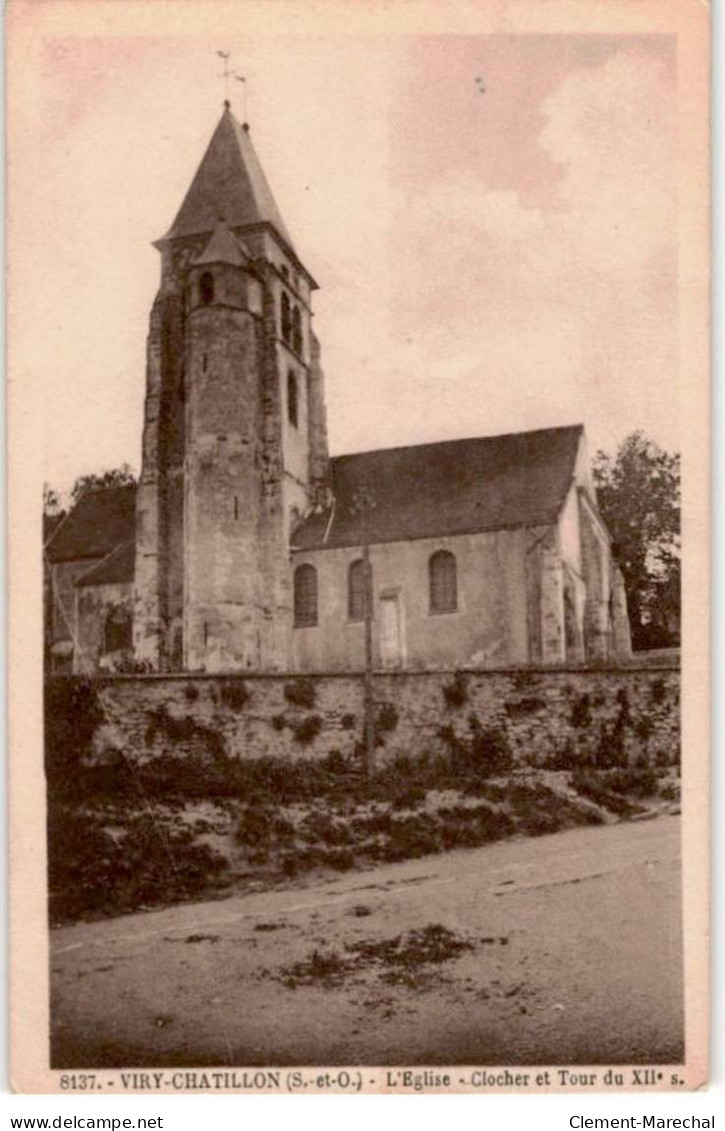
[454, 487]
[229, 187]
[116, 568]
[99, 522]
[223, 247]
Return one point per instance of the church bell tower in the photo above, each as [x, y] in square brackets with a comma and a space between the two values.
[235, 438]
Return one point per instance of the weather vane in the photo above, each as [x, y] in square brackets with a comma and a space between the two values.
[229, 73]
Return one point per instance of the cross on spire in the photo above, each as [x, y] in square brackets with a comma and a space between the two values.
[229, 73]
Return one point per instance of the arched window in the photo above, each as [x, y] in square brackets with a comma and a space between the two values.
[443, 582]
[206, 288]
[292, 413]
[286, 321]
[305, 596]
[296, 330]
[356, 590]
[117, 631]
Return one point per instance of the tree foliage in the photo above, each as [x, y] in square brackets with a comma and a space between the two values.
[638, 490]
[121, 476]
[53, 505]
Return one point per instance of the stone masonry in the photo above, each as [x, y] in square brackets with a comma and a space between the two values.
[545, 714]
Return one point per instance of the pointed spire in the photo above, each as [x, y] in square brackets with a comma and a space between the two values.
[229, 187]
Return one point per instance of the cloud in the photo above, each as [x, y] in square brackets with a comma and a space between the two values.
[531, 316]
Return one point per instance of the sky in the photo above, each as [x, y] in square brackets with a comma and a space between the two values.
[491, 220]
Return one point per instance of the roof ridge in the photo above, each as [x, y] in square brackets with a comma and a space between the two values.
[459, 440]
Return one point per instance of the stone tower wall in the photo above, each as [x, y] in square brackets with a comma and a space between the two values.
[223, 413]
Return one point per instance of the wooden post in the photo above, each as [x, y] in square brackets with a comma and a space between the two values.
[363, 502]
[369, 692]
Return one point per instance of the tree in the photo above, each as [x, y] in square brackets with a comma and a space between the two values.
[638, 490]
[54, 508]
[121, 476]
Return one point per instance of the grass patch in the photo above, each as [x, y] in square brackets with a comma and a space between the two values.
[618, 790]
[404, 959]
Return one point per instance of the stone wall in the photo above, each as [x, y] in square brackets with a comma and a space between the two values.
[548, 716]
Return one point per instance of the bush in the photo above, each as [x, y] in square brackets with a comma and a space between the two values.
[540, 810]
[639, 782]
[347, 722]
[301, 692]
[610, 750]
[319, 826]
[581, 715]
[334, 763]
[341, 859]
[644, 728]
[191, 692]
[262, 826]
[565, 758]
[488, 751]
[92, 872]
[659, 691]
[72, 714]
[408, 797]
[612, 789]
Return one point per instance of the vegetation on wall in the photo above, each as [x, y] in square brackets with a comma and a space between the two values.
[387, 719]
[307, 729]
[484, 752]
[301, 692]
[455, 693]
[234, 693]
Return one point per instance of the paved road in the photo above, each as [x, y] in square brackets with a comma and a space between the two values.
[576, 959]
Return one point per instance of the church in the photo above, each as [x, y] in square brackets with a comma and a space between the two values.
[243, 547]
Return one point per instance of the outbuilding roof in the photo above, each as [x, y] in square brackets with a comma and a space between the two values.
[116, 568]
[453, 487]
[98, 523]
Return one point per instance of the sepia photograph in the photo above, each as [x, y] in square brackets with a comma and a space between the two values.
[360, 413]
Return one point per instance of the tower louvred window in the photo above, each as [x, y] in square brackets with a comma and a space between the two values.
[286, 318]
[305, 595]
[206, 288]
[297, 330]
[292, 398]
[443, 582]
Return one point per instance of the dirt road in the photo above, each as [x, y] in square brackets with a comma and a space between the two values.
[564, 949]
